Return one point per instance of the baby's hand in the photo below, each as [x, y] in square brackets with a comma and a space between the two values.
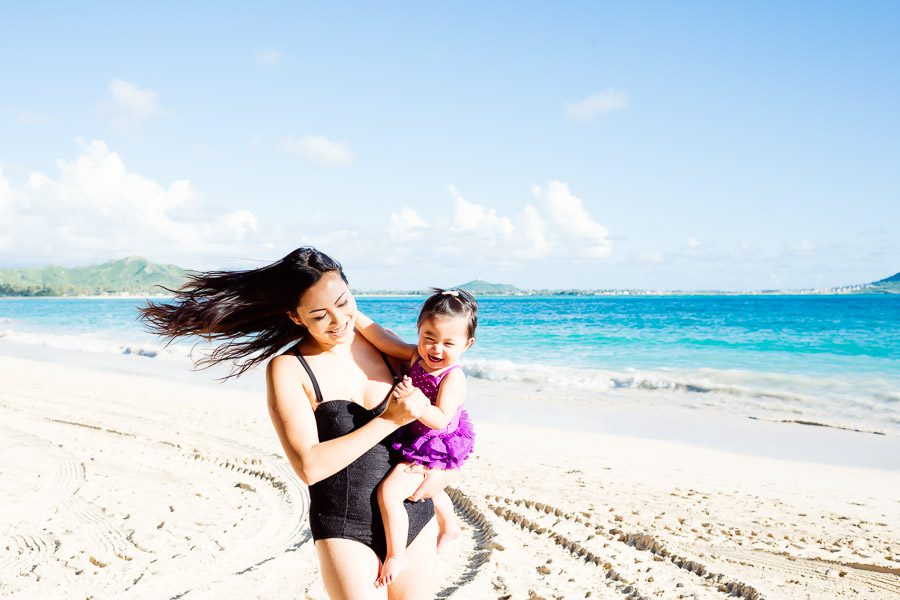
[406, 404]
[404, 388]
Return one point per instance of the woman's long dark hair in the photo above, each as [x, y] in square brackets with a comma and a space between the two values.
[245, 310]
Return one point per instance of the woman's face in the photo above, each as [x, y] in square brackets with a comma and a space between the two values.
[327, 310]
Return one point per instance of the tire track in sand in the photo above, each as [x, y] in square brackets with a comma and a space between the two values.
[825, 572]
[705, 579]
[484, 539]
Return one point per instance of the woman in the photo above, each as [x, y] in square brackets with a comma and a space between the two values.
[331, 402]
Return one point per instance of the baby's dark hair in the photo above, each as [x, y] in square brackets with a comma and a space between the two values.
[450, 303]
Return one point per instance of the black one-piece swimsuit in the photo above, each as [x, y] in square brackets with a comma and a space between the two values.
[345, 505]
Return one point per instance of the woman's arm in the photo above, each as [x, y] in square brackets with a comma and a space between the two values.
[295, 424]
[451, 395]
[386, 341]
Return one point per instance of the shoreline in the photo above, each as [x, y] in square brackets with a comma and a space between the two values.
[634, 412]
[525, 404]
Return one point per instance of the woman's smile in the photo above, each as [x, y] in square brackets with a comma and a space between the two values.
[342, 330]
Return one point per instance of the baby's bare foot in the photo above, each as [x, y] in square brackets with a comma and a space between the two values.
[392, 567]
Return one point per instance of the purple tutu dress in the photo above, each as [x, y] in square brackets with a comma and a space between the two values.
[435, 448]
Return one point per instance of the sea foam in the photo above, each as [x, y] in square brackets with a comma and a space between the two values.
[91, 343]
[835, 402]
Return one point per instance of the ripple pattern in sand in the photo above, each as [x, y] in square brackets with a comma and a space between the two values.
[110, 505]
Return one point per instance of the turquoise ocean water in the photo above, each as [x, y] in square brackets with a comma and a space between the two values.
[833, 360]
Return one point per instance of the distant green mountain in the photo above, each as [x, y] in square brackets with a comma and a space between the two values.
[888, 285]
[138, 276]
[132, 275]
[480, 286]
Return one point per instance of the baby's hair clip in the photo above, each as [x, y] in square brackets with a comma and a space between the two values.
[453, 293]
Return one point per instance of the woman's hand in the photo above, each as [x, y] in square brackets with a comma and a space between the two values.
[406, 404]
[435, 482]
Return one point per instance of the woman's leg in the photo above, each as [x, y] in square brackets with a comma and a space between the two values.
[392, 491]
[446, 518]
[418, 581]
[348, 570]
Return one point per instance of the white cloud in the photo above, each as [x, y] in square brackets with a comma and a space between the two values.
[534, 230]
[269, 57]
[95, 208]
[469, 216]
[559, 227]
[318, 150]
[568, 212]
[240, 223]
[692, 242]
[129, 104]
[92, 207]
[406, 224]
[587, 109]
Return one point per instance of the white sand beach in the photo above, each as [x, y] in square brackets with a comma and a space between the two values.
[119, 485]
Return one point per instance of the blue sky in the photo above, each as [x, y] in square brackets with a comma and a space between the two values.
[597, 145]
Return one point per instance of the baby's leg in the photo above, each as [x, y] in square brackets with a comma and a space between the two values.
[392, 491]
[446, 518]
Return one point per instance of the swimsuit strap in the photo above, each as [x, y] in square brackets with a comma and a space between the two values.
[440, 378]
[390, 366]
[311, 376]
[397, 377]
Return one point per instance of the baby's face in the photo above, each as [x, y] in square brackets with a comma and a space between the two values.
[442, 340]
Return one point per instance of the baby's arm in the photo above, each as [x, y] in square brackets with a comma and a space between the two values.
[451, 395]
[386, 341]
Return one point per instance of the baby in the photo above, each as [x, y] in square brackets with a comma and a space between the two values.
[442, 438]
